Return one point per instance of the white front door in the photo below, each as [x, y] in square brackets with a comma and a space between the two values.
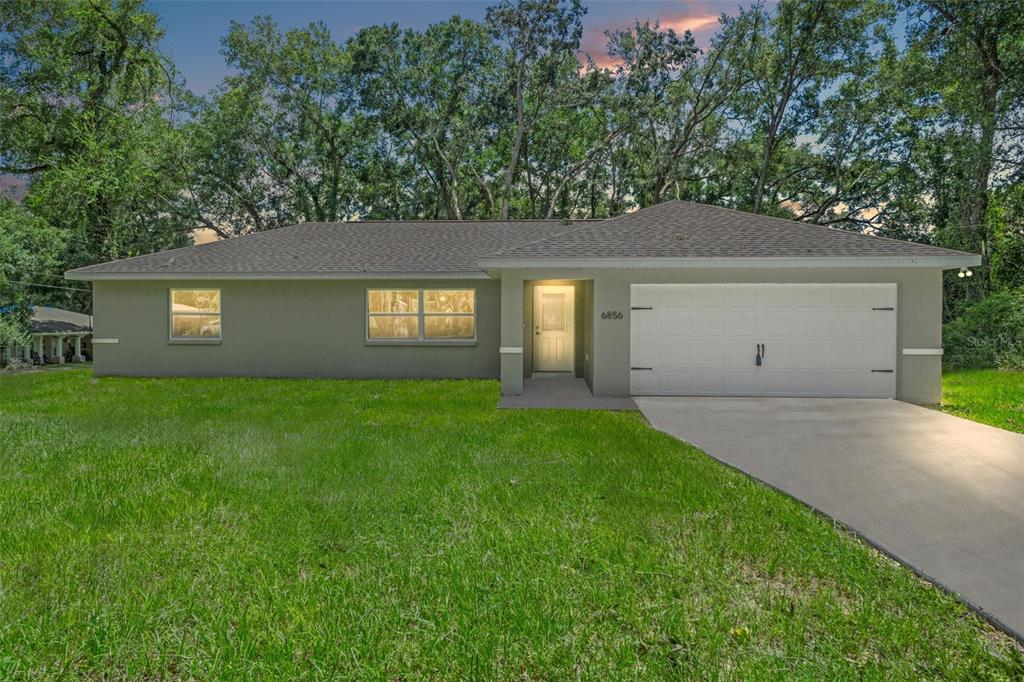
[553, 333]
[764, 339]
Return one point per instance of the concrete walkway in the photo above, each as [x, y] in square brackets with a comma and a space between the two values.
[942, 494]
[561, 390]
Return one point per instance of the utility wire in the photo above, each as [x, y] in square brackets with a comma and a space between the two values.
[47, 286]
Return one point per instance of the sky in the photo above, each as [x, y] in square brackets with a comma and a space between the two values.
[194, 28]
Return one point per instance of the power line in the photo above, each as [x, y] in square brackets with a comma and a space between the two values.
[47, 286]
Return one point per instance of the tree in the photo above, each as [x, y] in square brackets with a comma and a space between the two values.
[30, 254]
[972, 52]
[85, 112]
[432, 93]
[676, 97]
[536, 36]
[797, 55]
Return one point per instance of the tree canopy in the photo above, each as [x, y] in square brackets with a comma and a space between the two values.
[897, 117]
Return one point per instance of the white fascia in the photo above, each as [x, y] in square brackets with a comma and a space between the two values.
[944, 262]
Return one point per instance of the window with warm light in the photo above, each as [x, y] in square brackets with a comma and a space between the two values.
[195, 314]
[421, 315]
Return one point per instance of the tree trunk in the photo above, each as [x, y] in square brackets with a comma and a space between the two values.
[510, 172]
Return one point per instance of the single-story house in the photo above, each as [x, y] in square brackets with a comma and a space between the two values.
[57, 336]
[676, 299]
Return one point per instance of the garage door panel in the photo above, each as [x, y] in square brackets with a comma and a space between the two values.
[646, 295]
[675, 297]
[711, 382]
[739, 382]
[707, 296]
[811, 354]
[777, 355]
[742, 322]
[820, 339]
[776, 296]
[645, 382]
[739, 353]
[774, 382]
[810, 323]
[741, 296]
[645, 352]
[775, 323]
[811, 297]
[707, 353]
[675, 353]
[708, 322]
[675, 322]
[645, 323]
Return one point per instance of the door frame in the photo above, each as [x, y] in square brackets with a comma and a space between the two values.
[570, 291]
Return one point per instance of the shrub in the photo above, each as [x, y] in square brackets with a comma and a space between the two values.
[989, 333]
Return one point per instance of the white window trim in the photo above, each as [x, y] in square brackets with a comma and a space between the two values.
[421, 314]
[193, 339]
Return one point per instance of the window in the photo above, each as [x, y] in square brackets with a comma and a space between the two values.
[421, 315]
[195, 314]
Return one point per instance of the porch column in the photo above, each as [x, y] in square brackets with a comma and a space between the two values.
[58, 350]
[37, 341]
[511, 334]
[78, 349]
[27, 352]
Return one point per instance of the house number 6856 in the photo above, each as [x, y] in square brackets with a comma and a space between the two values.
[611, 315]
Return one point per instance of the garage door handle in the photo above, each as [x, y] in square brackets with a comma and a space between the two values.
[642, 368]
[889, 308]
[883, 371]
[641, 307]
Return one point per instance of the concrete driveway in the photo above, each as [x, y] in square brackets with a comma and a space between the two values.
[942, 494]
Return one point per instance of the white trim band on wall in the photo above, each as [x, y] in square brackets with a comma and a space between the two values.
[106, 341]
[511, 350]
[922, 351]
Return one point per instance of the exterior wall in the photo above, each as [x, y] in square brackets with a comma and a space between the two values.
[282, 328]
[919, 311]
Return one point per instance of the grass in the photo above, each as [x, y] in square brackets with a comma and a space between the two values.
[989, 396]
[277, 529]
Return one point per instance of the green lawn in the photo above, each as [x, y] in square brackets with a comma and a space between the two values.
[393, 530]
[989, 396]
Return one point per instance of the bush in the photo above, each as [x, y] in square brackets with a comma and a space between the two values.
[989, 333]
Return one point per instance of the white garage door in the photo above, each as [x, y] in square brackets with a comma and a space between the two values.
[813, 339]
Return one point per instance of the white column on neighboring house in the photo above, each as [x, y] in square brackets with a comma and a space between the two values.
[27, 352]
[59, 349]
[37, 341]
[78, 349]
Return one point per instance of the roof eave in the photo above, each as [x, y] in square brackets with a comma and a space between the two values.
[944, 262]
[83, 274]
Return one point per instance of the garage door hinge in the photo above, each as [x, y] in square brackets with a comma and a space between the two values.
[644, 368]
[641, 307]
[889, 308]
[884, 371]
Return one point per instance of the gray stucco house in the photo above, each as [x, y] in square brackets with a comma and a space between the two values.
[676, 299]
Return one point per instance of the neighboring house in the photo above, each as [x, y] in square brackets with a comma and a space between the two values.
[676, 299]
[58, 336]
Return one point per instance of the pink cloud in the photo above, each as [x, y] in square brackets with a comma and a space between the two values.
[701, 22]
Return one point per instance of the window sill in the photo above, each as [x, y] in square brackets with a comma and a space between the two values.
[417, 343]
[194, 342]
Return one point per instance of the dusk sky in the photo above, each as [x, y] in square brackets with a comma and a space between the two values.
[195, 28]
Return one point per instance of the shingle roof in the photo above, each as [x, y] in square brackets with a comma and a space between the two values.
[46, 320]
[672, 230]
[428, 246]
[681, 229]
